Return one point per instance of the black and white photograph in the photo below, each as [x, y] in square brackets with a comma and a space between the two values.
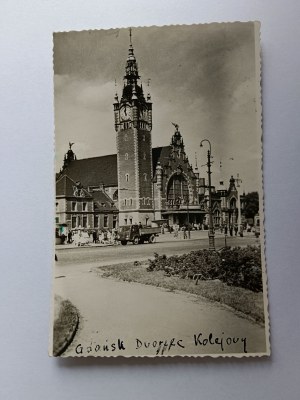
[159, 213]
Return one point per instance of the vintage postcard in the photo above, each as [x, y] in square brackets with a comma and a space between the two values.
[159, 234]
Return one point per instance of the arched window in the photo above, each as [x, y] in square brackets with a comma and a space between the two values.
[233, 203]
[145, 177]
[177, 190]
[144, 156]
[127, 177]
[126, 156]
[217, 217]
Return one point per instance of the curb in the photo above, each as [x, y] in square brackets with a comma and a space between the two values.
[63, 344]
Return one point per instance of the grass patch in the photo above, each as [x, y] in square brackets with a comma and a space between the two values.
[242, 300]
[65, 324]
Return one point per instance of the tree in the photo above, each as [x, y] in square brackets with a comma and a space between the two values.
[251, 204]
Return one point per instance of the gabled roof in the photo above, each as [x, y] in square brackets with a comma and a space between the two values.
[94, 171]
[104, 170]
[104, 202]
[65, 187]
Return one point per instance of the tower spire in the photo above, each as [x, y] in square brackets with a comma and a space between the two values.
[131, 70]
[130, 35]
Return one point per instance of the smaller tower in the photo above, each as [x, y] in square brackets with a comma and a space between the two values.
[69, 156]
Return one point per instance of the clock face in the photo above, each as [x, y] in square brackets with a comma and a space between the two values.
[125, 113]
[143, 114]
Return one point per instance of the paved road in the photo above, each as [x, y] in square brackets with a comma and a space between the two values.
[115, 254]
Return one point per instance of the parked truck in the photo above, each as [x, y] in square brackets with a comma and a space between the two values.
[137, 234]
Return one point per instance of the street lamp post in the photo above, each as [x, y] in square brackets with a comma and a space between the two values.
[188, 216]
[238, 181]
[211, 234]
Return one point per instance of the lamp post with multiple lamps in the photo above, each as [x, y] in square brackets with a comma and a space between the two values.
[211, 233]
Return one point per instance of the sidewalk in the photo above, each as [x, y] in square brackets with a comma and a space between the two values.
[166, 237]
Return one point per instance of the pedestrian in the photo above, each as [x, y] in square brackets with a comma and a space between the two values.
[94, 237]
[70, 237]
[105, 237]
[175, 228]
[242, 231]
[236, 230]
[184, 232]
[109, 236]
[114, 236]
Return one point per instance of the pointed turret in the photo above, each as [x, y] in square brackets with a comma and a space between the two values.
[69, 156]
[177, 141]
[232, 187]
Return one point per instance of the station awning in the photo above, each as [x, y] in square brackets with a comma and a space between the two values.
[169, 212]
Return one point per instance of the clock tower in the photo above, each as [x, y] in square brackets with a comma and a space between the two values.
[133, 124]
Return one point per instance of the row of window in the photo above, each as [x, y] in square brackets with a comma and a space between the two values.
[126, 156]
[144, 201]
[126, 136]
[145, 175]
[127, 125]
[129, 220]
[74, 206]
[82, 221]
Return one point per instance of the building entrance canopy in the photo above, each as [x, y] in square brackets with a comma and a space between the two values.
[183, 211]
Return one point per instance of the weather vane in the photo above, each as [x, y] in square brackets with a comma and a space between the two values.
[176, 125]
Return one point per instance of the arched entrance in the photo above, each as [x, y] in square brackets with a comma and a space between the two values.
[179, 199]
[177, 190]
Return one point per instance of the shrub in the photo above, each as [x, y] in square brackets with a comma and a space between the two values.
[234, 266]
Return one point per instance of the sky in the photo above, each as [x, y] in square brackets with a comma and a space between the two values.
[202, 77]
